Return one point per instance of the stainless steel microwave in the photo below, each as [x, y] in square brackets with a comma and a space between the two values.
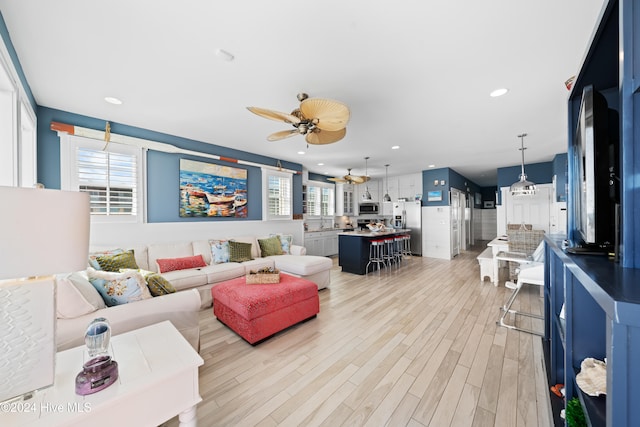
[369, 208]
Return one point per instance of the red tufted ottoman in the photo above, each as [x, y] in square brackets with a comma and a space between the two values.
[256, 312]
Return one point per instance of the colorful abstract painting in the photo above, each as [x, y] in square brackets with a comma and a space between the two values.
[210, 190]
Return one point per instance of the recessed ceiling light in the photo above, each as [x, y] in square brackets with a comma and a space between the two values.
[300, 152]
[395, 147]
[432, 166]
[224, 55]
[498, 92]
[320, 164]
[112, 100]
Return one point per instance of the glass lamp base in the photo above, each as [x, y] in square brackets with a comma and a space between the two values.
[97, 374]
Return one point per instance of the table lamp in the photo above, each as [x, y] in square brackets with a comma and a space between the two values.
[42, 232]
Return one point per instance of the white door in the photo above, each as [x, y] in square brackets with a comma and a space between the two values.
[455, 222]
[535, 210]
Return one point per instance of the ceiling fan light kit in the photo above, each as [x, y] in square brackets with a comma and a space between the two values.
[523, 187]
[322, 121]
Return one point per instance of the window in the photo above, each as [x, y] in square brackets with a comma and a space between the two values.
[17, 128]
[320, 199]
[278, 198]
[113, 178]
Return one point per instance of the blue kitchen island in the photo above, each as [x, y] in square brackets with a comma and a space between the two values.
[353, 248]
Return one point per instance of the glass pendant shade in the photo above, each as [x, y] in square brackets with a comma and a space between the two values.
[523, 187]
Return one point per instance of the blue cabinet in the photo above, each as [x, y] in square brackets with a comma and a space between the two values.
[602, 297]
[602, 320]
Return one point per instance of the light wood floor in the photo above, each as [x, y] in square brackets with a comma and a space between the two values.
[418, 346]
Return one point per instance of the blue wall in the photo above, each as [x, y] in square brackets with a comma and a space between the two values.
[452, 179]
[538, 173]
[560, 170]
[162, 168]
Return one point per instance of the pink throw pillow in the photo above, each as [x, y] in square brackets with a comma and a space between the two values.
[171, 264]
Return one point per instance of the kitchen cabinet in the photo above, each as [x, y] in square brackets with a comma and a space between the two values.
[345, 199]
[386, 208]
[374, 189]
[601, 320]
[321, 243]
[409, 185]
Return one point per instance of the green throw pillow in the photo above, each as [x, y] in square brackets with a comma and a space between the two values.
[156, 283]
[270, 246]
[116, 262]
[239, 251]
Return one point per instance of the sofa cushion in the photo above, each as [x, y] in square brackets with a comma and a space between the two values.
[182, 263]
[219, 251]
[239, 251]
[116, 262]
[270, 246]
[76, 296]
[302, 265]
[220, 272]
[167, 250]
[119, 288]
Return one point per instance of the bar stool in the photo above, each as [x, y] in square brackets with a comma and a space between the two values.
[398, 248]
[389, 254]
[406, 246]
[376, 254]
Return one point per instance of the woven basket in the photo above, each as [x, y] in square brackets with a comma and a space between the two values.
[255, 278]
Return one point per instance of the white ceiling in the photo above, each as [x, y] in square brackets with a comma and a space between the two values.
[414, 73]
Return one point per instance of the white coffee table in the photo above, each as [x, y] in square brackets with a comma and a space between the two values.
[158, 379]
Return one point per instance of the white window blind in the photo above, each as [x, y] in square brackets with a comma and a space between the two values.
[320, 199]
[113, 178]
[110, 179]
[278, 195]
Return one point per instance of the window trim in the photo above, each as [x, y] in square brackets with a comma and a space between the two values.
[266, 216]
[69, 181]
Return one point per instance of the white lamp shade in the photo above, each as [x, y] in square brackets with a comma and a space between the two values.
[43, 232]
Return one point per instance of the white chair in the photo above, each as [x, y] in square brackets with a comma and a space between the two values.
[530, 271]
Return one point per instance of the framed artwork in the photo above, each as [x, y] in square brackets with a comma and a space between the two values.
[210, 190]
[478, 198]
[434, 196]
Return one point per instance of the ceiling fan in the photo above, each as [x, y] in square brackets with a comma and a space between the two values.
[350, 179]
[321, 121]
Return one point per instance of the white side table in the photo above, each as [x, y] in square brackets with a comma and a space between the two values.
[158, 379]
[499, 244]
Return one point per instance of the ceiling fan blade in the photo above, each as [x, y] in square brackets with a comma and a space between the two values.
[321, 137]
[326, 114]
[282, 134]
[274, 115]
[356, 179]
[337, 179]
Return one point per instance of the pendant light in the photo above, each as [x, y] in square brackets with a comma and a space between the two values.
[386, 197]
[523, 187]
[366, 195]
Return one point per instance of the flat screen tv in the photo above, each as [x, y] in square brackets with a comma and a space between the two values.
[595, 151]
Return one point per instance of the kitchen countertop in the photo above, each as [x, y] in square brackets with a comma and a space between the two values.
[328, 229]
[367, 233]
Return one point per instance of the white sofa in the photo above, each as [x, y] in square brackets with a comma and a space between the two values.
[313, 268]
[193, 286]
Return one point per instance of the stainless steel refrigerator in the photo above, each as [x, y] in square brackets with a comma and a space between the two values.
[409, 215]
